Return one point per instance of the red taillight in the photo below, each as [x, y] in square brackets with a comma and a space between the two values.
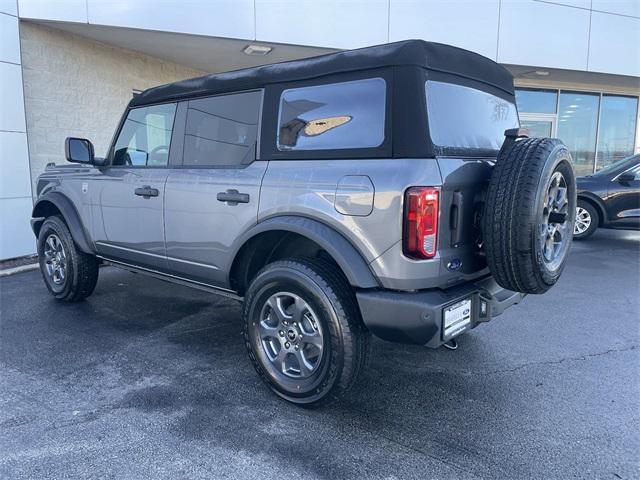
[420, 230]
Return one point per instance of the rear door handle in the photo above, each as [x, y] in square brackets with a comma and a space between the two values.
[146, 191]
[233, 197]
[457, 219]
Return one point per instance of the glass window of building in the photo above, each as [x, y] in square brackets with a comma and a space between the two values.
[578, 127]
[538, 128]
[580, 120]
[616, 138]
[537, 110]
[532, 100]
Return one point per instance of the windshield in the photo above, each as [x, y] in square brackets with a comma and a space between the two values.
[619, 165]
[464, 117]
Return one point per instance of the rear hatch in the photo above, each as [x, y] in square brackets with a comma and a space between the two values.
[465, 181]
[466, 126]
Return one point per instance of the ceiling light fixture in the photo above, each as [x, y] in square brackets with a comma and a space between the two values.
[542, 73]
[256, 50]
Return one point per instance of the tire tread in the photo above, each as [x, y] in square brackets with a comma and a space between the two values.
[355, 338]
[507, 225]
[83, 266]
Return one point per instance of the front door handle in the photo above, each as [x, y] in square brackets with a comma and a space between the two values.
[146, 191]
[233, 197]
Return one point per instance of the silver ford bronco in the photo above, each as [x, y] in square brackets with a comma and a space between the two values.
[386, 191]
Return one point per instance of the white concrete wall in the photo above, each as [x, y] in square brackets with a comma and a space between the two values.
[16, 238]
[588, 35]
[76, 87]
[544, 34]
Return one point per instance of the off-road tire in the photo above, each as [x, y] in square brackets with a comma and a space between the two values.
[595, 219]
[514, 214]
[346, 339]
[81, 268]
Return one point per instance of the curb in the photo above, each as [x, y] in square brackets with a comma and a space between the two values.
[20, 269]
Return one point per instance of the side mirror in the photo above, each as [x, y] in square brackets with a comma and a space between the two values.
[78, 150]
[626, 177]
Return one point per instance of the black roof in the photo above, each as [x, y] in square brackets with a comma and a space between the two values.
[431, 56]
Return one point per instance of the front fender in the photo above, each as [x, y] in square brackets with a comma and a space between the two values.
[42, 208]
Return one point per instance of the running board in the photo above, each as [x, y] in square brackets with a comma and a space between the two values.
[172, 278]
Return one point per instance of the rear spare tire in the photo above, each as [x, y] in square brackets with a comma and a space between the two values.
[530, 209]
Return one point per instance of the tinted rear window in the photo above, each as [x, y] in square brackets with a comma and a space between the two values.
[333, 116]
[463, 117]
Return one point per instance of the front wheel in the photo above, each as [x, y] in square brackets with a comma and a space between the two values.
[303, 331]
[586, 220]
[69, 274]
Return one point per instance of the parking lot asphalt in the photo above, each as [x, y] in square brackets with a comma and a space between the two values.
[150, 380]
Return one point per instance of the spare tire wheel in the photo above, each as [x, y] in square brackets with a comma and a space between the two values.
[527, 225]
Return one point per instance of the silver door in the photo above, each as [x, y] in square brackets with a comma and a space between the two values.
[205, 211]
[132, 216]
[213, 197]
[131, 189]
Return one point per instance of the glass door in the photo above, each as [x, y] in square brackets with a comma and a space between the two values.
[539, 125]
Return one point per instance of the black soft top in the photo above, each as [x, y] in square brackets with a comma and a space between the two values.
[431, 56]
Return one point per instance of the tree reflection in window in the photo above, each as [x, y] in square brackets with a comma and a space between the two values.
[333, 116]
[292, 130]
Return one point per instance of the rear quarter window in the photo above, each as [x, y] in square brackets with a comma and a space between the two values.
[334, 116]
[463, 117]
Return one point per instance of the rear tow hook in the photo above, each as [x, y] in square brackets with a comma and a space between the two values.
[451, 344]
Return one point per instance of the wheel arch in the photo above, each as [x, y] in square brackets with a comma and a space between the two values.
[597, 204]
[296, 236]
[55, 203]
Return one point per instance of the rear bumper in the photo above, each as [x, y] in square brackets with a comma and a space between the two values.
[417, 317]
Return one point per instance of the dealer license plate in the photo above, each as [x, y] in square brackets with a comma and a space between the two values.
[457, 318]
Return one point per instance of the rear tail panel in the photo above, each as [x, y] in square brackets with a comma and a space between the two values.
[464, 183]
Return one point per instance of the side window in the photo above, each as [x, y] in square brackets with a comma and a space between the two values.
[145, 137]
[222, 130]
[333, 116]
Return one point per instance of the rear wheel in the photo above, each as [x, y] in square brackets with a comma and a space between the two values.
[587, 220]
[303, 331]
[69, 274]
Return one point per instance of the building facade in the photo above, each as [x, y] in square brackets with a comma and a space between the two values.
[69, 67]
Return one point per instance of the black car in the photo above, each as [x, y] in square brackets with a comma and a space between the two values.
[609, 198]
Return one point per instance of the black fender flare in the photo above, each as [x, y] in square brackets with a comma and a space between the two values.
[336, 245]
[70, 215]
[598, 203]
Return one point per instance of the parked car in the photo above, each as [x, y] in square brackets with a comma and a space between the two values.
[609, 198]
[385, 191]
